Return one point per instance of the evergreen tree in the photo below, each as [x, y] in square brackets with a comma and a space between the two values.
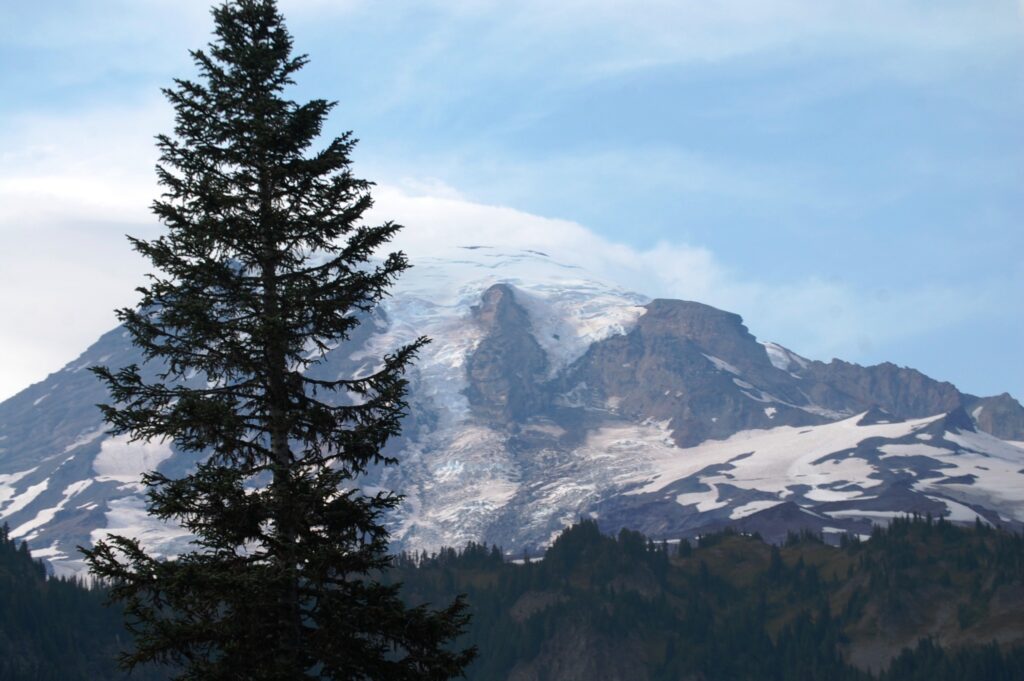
[265, 266]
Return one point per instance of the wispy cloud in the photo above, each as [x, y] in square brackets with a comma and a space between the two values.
[96, 164]
[818, 317]
[487, 105]
[601, 38]
[71, 187]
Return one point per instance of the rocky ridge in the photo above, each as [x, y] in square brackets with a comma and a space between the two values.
[546, 396]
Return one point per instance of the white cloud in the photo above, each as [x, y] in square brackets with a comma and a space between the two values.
[598, 38]
[822, 319]
[574, 38]
[96, 164]
[70, 187]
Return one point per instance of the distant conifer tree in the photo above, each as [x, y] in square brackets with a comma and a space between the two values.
[264, 267]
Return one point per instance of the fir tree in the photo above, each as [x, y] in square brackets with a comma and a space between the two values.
[264, 267]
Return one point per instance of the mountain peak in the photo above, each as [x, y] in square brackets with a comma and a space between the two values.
[876, 415]
[697, 321]
[548, 394]
[959, 420]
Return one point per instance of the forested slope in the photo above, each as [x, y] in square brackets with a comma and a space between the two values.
[920, 600]
[734, 607]
[54, 629]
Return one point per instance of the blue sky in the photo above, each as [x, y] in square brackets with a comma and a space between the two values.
[847, 176]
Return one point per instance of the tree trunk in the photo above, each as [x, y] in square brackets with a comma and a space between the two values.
[284, 513]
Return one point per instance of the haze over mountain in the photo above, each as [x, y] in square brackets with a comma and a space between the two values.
[547, 395]
[845, 175]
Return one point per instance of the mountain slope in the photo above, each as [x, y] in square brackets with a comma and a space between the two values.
[547, 395]
[56, 629]
[733, 607]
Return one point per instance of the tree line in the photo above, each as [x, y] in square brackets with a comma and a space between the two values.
[727, 606]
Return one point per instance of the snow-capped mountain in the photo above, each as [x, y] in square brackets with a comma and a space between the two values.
[547, 395]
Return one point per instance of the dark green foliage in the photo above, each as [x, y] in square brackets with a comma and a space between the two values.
[54, 629]
[684, 618]
[929, 662]
[730, 608]
[264, 267]
[735, 610]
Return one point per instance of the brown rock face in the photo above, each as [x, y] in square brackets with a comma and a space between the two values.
[698, 368]
[1001, 416]
[693, 365]
[718, 333]
[903, 392]
[506, 369]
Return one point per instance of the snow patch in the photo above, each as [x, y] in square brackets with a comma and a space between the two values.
[853, 513]
[896, 450]
[122, 461]
[995, 467]
[705, 501]
[821, 411]
[85, 438]
[463, 476]
[24, 499]
[753, 507]
[722, 365]
[128, 517]
[783, 359]
[826, 495]
[780, 457]
[567, 318]
[51, 552]
[7, 484]
[47, 514]
[958, 512]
